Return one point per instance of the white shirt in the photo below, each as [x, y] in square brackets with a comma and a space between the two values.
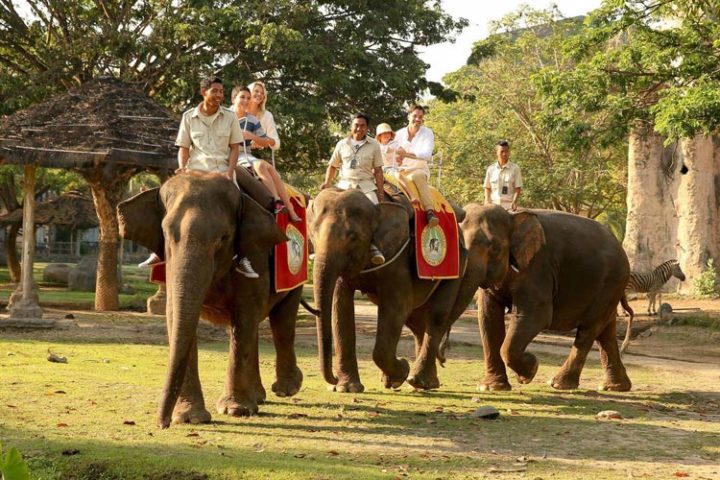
[507, 177]
[267, 121]
[422, 145]
[209, 138]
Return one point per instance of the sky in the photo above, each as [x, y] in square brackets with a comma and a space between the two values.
[448, 57]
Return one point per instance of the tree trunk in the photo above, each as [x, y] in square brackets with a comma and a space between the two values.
[697, 209]
[106, 196]
[670, 214]
[13, 262]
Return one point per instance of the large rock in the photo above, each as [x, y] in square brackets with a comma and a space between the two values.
[84, 275]
[57, 273]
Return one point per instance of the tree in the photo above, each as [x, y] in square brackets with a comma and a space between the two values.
[566, 166]
[321, 59]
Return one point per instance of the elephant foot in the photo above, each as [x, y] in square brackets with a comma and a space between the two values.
[620, 384]
[564, 382]
[422, 383]
[350, 386]
[236, 407]
[396, 381]
[287, 386]
[527, 368]
[494, 385]
[259, 394]
[193, 413]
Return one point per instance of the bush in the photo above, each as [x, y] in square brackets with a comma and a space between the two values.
[706, 284]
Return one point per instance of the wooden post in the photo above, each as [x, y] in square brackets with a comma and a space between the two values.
[27, 312]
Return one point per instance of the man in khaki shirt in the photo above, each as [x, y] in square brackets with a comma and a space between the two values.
[503, 180]
[209, 137]
[359, 160]
[209, 140]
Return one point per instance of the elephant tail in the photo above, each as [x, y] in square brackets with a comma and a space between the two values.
[444, 345]
[629, 311]
[310, 309]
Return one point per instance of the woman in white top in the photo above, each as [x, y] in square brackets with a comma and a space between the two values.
[257, 108]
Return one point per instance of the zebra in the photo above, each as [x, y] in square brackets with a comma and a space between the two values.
[652, 282]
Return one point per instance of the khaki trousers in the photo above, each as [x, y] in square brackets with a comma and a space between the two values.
[420, 180]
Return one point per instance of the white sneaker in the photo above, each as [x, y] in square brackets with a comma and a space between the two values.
[244, 268]
[152, 259]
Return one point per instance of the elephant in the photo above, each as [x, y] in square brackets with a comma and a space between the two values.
[198, 222]
[561, 272]
[343, 224]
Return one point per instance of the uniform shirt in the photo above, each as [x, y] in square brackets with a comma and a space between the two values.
[356, 163]
[209, 138]
[498, 177]
[422, 145]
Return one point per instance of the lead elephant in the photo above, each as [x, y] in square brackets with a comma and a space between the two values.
[561, 272]
[343, 224]
[198, 223]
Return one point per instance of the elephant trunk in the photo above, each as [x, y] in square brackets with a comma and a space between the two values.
[187, 288]
[325, 276]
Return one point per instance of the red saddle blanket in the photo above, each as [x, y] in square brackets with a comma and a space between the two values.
[291, 257]
[437, 251]
[157, 272]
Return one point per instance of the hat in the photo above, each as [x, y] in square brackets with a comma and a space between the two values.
[384, 128]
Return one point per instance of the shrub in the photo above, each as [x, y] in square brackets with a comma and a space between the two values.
[706, 284]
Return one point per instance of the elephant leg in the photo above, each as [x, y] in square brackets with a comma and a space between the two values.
[416, 324]
[530, 320]
[423, 374]
[491, 320]
[616, 378]
[587, 332]
[343, 324]
[283, 317]
[241, 395]
[190, 406]
[392, 314]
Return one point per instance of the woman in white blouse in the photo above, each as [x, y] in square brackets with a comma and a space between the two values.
[257, 108]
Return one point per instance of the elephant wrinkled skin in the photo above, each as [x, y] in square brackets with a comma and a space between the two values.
[343, 224]
[568, 272]
[198, 222]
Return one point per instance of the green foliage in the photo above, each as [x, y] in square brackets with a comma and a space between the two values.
[706, 284]
[566, 160]
[646, 60]
[321, 60]
[12, 465]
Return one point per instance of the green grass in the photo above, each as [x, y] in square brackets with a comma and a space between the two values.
[85, 406]
[53, 295]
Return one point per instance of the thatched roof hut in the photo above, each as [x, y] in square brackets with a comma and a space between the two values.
[103, 121]
[74, 210]
[108, 132]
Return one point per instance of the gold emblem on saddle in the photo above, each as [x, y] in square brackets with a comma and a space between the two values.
[295, 248]
[434, 245]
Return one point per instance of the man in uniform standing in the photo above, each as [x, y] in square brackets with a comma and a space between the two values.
[503, 180]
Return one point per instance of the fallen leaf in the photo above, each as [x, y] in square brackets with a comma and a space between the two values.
[299, 455]
[60, 392]
[297, 415]
[11, 406]
[62, 425]
[334, 453]
[193, 434]
[128, 422]
[70, 452]
[681, 474]
[609, 414]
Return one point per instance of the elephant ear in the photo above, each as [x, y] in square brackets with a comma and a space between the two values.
[140, 220]
[527, 238]
[393, 227]
[257, 230]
